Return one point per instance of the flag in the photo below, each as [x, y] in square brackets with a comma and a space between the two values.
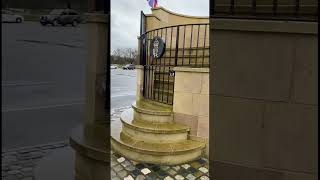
[153, 3]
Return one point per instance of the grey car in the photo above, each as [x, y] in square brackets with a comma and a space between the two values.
[61, 17]
[129, 67]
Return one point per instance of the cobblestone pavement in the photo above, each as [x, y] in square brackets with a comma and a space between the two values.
[125, 169]
[19, 164]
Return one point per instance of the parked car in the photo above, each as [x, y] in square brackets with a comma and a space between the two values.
[8, 16]
[113, 67]
[61, 17]
[129, 67]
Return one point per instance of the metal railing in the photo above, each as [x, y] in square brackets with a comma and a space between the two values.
[295, 10]
[185, 45]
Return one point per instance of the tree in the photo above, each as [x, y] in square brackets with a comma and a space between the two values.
[124, 56]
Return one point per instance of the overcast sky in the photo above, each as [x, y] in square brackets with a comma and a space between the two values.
[125, 17]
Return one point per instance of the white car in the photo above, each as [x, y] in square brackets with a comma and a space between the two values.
[8, 16]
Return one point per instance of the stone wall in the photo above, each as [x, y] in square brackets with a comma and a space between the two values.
[161, 17]
[191, 100]
[263, 89]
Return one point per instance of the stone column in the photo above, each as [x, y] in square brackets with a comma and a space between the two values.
[140, 79]
[91, 141]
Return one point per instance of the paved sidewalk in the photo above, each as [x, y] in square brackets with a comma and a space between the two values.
[19, 163]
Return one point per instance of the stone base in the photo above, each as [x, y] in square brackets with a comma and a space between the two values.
[92, 161]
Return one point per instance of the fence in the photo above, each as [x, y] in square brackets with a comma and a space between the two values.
[185, 45]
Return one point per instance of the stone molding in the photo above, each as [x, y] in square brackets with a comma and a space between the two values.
[299, 27]
[188, 69]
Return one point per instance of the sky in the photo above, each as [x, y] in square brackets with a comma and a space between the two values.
[125, 17]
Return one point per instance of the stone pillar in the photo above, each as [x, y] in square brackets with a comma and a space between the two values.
[140, 80]
[264, 92]
[91, 141]
[191, 101]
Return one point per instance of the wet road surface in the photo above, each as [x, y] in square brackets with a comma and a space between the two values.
[43, 76]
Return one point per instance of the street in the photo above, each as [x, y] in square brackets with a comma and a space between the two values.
[43, 82]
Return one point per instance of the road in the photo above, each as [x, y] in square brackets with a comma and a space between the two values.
[43, 76]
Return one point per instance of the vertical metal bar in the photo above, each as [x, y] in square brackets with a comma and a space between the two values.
[204, 43]
[275, 7]
[177, 46]
[196, 63]
[147, 48]
[158, 81]
[152, 38]
[254, 7]
[297, 9]
[165, 56]
[151, 60]
[147, 89]
[154, 81]
[164, 70]
[161, 38]
[150, 81]
[184, 39]
[168, 84]
[232, 7]
[172, 88]
[190, 44]
[145, 55]
[170, 47]
[144, 81]
[212, 7]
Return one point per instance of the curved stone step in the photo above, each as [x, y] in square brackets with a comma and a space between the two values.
[152, 112]
[156, 153]
[152, 132]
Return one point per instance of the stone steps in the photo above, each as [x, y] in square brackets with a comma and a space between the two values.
[152, 113]
[156, 153]
[148, 134]
[152, 132]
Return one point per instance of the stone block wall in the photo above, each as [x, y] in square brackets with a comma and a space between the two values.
[191, 100]
[263, 89]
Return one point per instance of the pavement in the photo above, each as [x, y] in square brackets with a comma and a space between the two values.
[19, 163]
[126, 169]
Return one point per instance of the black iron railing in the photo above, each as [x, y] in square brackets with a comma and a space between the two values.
[295, 10]
[185, 45]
